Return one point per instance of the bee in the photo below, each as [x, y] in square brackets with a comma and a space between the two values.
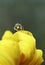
[18, 27]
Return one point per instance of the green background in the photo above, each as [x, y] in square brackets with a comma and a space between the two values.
[30, 13]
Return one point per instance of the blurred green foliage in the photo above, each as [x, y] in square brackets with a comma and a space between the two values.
[30, 13]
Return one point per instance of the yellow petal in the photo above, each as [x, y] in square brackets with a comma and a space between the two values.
[23, 35]
[7, 35]
[39, 61]
[37, 58]
[9, 52]
[27, 43]
[27, 49]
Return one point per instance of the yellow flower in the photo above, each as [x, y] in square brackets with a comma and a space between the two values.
[19, 48]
